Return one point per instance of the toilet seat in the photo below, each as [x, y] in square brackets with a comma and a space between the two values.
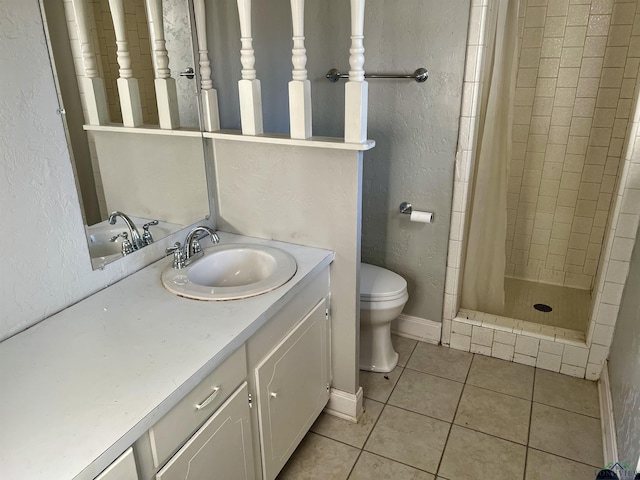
[380, 285]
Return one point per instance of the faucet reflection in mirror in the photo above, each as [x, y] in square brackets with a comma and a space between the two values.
[110, 58]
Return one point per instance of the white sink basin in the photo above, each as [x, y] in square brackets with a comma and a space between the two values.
[231, 272]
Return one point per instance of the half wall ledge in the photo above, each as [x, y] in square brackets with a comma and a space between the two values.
[279, 139]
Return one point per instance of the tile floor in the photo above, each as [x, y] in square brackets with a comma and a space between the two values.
[448, 414]
[570, 305]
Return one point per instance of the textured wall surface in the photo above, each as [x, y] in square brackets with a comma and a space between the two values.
[160, 177]
[577, 72]
[309, 196]
[46, 264]
[415, 125]
[624, 367]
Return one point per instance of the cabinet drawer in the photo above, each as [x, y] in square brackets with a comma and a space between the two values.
[168, 435]
[221, 449]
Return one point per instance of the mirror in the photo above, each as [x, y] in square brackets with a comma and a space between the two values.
[155, 176]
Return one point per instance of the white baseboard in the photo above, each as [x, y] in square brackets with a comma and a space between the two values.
[417, 328]
[347, 406]
[609, 441]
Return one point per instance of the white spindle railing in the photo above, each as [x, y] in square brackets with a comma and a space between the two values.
[166, 94]
[356, 89]
[127, 85]
[249, 86]
[300, 86]
[93, 85]
[208, 94]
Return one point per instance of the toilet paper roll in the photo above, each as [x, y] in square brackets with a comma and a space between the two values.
[422, 217]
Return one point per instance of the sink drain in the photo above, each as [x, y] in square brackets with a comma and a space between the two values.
[541, 307]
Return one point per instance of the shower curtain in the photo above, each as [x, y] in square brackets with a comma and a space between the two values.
[485, 263]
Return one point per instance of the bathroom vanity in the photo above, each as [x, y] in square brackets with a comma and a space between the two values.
[137, 383]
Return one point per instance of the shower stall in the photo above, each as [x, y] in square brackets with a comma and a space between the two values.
[547, 125]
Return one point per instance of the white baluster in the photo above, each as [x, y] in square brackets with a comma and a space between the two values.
[249, 87]
[166, 94]
[356, 89]
[93, 85]
[300, 86]
[208, 94]
[127, 85]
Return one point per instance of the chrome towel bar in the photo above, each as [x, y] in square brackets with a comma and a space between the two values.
[420, 75]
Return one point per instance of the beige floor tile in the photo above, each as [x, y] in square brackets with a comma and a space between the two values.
[472, 455]
[440, 361]
[318, 457]
[404, 347]
[570, 393]
[344, 431]
[422, 393]
[378, 386]
[494, 413]
[408, 438]
[501, 376]
[544, 466]
[566, 434]
[370, 466]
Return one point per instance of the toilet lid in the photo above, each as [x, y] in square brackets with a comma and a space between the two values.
[377, 283]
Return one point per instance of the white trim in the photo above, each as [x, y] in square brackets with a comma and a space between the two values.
[280, 139]
[417, 328]
[609, 442]
[347, 406]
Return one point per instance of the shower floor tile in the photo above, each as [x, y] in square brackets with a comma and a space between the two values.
[570, 305]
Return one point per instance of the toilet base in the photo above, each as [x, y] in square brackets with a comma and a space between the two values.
[376, 350]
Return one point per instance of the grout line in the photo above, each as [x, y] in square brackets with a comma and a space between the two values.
[454, 418]
[400, 462]
[526, 452]
[568, 411]
[565, 458]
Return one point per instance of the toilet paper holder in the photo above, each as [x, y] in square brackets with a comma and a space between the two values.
[416, 215]
[406, 208]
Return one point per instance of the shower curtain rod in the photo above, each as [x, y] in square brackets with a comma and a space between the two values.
[420, 75]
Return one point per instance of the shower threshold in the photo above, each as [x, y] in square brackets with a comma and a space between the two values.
[543, 346]
[520, 327]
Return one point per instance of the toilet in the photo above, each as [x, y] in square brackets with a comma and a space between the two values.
[383, 295]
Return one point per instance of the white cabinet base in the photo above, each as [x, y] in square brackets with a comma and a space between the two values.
[292, 388]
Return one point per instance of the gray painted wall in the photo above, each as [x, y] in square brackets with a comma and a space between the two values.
[624, 366]
[415, 125]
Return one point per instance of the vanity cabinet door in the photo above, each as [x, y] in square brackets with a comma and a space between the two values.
[220, 449]
[124, 468]
[292, 385]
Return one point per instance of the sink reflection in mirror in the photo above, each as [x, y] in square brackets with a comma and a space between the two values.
[146, 171]
[231, 272]
[103, 251]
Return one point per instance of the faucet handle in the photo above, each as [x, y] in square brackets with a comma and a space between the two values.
[127, 248]
[178, 257]
[147, 238]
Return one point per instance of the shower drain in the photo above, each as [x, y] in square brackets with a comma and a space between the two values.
[541, 307]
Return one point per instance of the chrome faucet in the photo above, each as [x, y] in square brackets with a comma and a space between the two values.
[136, 239]
[183, 255]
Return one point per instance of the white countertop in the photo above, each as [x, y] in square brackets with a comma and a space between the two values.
[80, 387]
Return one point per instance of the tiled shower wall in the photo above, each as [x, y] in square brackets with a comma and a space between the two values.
[139, 49]
[577, 72]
